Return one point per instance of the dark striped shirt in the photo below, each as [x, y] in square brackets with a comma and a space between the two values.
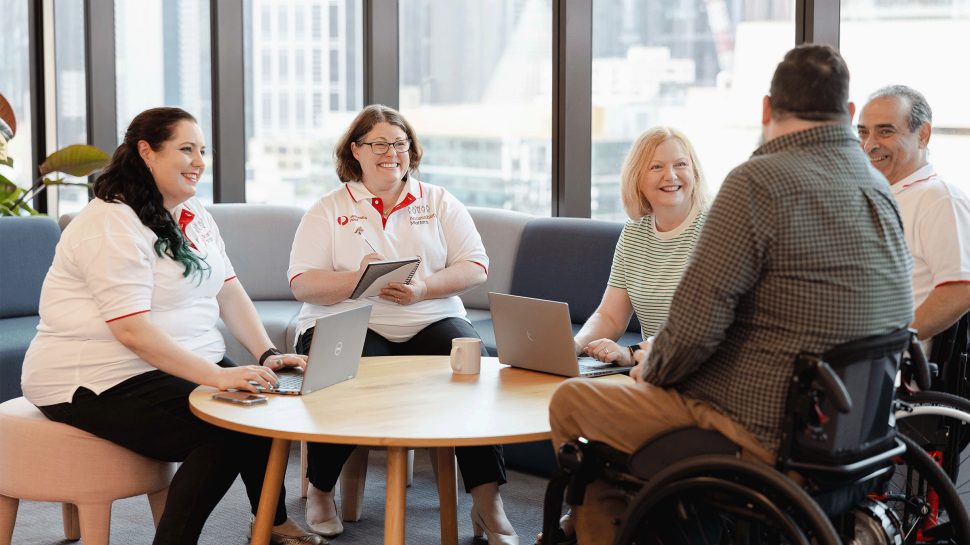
[802, 250]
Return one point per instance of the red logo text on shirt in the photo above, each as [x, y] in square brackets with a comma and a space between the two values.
[344, 220]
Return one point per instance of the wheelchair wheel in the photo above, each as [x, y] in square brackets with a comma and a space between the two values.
[940, 423]
[721, 500]
[924, 500]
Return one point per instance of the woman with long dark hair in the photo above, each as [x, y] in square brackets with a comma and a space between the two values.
[128, 326]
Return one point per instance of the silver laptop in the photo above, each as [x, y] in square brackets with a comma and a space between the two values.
[537, 334]
[335, 350]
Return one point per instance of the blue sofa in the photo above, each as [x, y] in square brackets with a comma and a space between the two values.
[562, 259]
[26, 252]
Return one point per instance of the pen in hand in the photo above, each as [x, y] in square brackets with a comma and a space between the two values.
[360, 231]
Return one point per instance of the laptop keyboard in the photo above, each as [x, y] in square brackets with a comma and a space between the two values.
[290, 382]
[591, 366]
[287, 382]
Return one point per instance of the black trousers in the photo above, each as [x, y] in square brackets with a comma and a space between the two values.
[478, 465]
[150, 415]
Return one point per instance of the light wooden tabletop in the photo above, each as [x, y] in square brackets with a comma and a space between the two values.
[413, 401]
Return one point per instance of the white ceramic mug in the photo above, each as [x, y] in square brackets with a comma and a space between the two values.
[466, 355]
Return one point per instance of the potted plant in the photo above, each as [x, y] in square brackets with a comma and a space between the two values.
[74, 160]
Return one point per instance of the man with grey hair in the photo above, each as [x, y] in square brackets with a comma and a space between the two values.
[895, 128]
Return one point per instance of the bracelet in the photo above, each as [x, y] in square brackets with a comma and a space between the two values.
[633, 350]
[271, 352]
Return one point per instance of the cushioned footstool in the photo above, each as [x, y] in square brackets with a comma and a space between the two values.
[42, 460]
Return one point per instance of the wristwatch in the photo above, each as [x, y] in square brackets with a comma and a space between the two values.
[271, 352]
[633, 349]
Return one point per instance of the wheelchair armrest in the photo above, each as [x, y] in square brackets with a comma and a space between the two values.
[673, 446]
[921, 366]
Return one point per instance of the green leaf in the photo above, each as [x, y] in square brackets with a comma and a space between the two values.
[75, 160]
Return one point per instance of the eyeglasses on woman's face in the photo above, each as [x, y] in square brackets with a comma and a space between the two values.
[380, 148]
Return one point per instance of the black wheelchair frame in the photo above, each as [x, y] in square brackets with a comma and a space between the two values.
[689, 485]
[944, 438]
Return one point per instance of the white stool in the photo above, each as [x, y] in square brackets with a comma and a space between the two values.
[42, 460]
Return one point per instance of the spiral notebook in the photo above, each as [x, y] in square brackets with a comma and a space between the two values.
[381, 273]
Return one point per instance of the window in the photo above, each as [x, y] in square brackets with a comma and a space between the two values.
[317, 66]
[476, 81]
[334, 21]
[284, 65]
[299, 66]
[163, 58]
[299, 21]
[316, 22]
[334, 66]
[919, 44]
[699, 66]
[71, 94]
[283, 22]
[15, 87]
[289, 155]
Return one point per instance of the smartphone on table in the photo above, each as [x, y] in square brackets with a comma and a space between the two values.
[240, 398]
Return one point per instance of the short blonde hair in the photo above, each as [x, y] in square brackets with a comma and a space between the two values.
[635, 168]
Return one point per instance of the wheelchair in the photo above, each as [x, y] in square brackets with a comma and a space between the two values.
[938, 418]
[843, 475]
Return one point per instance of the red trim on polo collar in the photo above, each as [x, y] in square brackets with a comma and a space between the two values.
[930, 177]
[378, 205]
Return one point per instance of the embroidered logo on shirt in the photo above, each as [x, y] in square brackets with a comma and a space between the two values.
[344, 220]
[185, 218]
[195, 231]
[421, 214]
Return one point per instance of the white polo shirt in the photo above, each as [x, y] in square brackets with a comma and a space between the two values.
[427, 221]
[105, 268]
[936, 223]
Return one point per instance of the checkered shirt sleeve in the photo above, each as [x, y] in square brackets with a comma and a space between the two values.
[803, 250]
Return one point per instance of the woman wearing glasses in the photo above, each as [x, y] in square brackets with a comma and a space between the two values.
[382, 211]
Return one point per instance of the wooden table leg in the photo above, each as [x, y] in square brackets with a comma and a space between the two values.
[266, 511]
[447, 494]
[395, 503]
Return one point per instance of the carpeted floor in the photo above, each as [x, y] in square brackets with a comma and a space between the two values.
[40, 523]
[131, 523]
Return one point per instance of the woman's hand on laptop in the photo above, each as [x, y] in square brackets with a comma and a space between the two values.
[281, 361]
[244, 378]
[608, 351]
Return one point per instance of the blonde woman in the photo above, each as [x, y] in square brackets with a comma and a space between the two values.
[666, 198]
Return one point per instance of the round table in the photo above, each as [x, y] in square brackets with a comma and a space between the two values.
[395, 402]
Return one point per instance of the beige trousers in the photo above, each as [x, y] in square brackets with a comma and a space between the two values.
[625, 415]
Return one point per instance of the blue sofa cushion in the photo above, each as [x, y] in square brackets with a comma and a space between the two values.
[15, 337]
[27, 246]
[567, 259]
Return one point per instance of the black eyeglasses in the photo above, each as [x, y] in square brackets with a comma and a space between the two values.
[380, 148]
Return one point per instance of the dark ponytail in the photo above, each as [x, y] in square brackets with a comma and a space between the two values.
[127, 180]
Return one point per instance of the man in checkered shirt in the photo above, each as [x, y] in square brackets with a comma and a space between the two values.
[803, 250]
